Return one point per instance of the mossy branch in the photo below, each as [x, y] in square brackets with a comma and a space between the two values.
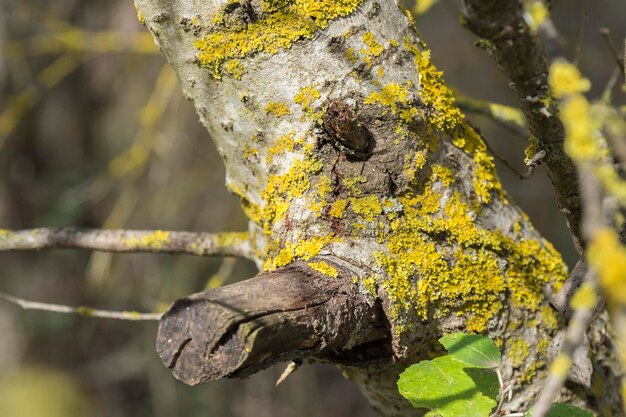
[128, 241]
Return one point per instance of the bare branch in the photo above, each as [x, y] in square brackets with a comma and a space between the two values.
[606, 35]
[569, 288]
[508, 117]
[81, 311]
[128, 241]
[295, 312]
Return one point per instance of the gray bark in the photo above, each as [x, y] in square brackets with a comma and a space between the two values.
[348, 155]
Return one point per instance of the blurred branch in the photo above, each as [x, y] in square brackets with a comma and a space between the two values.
[132, 164]
[508, 117]
[129, 241]
[513, 44]
[81, 311]
[583, 303]
[606, 34]
[23, 102]
[77, 40]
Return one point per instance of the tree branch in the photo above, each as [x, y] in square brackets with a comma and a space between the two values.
[129, 241]
[237, 330]
[81, 310]
[508, 117]
[516, 50]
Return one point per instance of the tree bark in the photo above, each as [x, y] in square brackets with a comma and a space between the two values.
[296, 312]
[351, 160]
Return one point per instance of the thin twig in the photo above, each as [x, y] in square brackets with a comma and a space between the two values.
[581, 37]
[131, 241]
[292, 367]
[507, 117]
[606, 34]
[81, 311]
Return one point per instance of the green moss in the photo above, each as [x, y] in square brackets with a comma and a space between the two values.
[280, 26]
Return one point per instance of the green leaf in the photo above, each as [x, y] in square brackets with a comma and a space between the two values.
[450, 388]
[563, 410]
[473, 349]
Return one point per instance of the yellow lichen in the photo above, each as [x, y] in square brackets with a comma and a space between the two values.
[507, 114]
[581, 143]
[235, 69]
[464, 274]
[518, 352]
[548, 318]
[282, 144]
[373, 49]
[561, 365]
[367, 207]
[394, 96]
[369, 284]
[227, 240]
[584, 298]
[306, 96]
[537, 14]
[249, 152]
[324, 268]
[351, 55]
[564, 78]
[302, 249]
[608, 257]
[154, 240]
[338, 208]
[433, 90]
[277, 109]
[140, 16]
[278, 28]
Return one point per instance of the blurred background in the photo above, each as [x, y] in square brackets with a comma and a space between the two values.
[94, 132]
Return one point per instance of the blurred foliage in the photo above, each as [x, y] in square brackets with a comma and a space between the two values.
[94, 132]
[36, 392]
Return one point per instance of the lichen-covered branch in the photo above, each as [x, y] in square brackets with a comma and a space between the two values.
[514, 46]
[133, 241]
[349, 155]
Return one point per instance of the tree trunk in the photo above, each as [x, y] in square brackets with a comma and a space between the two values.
[356, 170]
